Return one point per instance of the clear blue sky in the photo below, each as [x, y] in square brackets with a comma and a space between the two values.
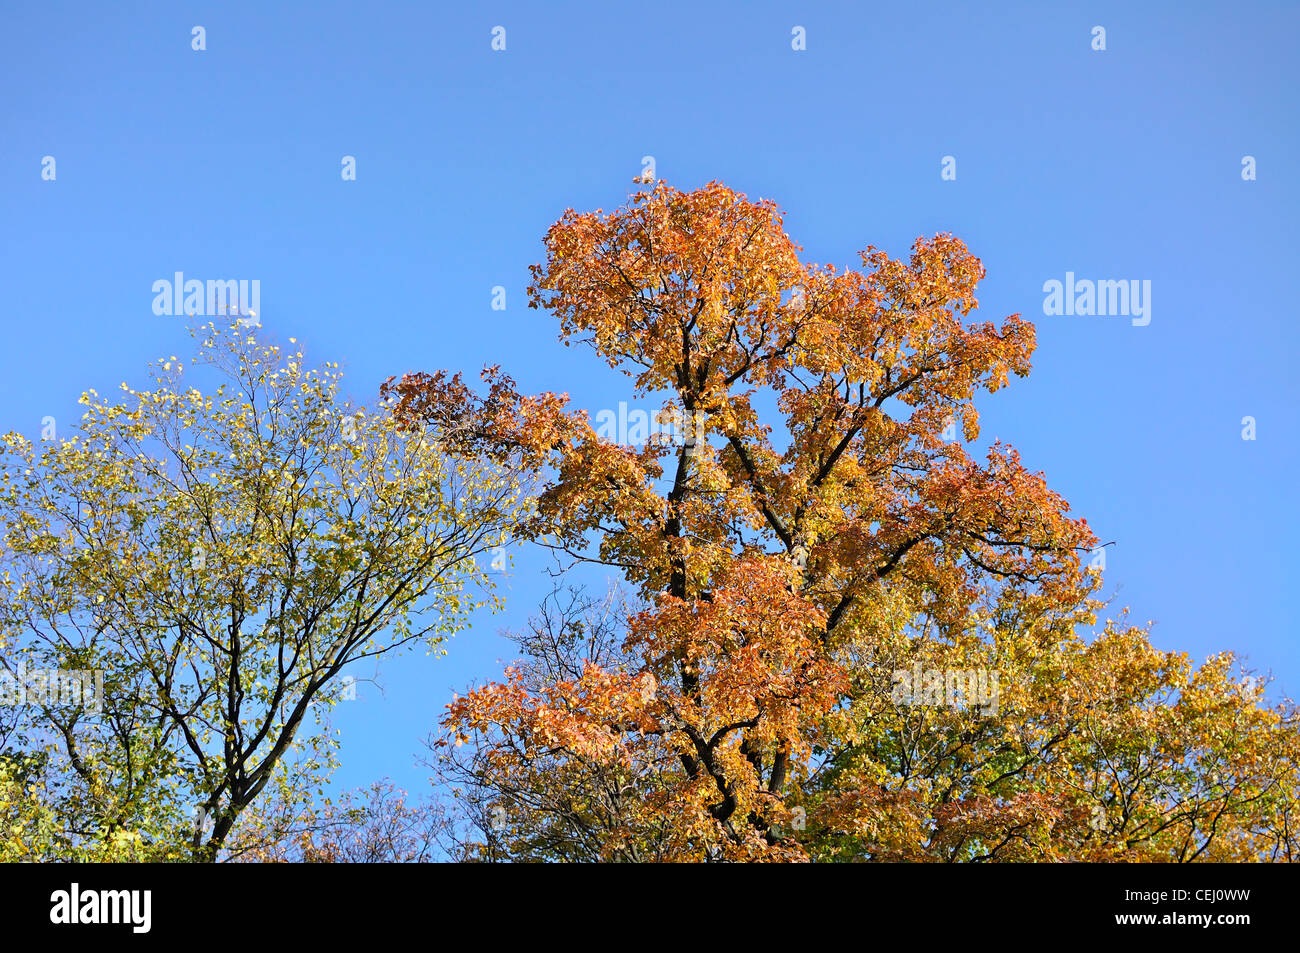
[1122, 164]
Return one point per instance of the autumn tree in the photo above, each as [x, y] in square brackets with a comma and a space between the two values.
[219, 557]
[506, 801]
[810, 538]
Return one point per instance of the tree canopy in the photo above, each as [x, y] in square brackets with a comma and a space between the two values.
[846, 638]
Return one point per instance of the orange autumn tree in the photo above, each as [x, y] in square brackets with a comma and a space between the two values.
[847, 639]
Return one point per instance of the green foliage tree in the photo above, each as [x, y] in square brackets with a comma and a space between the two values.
[219, 558]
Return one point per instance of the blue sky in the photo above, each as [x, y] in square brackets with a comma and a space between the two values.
[1116, 164]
